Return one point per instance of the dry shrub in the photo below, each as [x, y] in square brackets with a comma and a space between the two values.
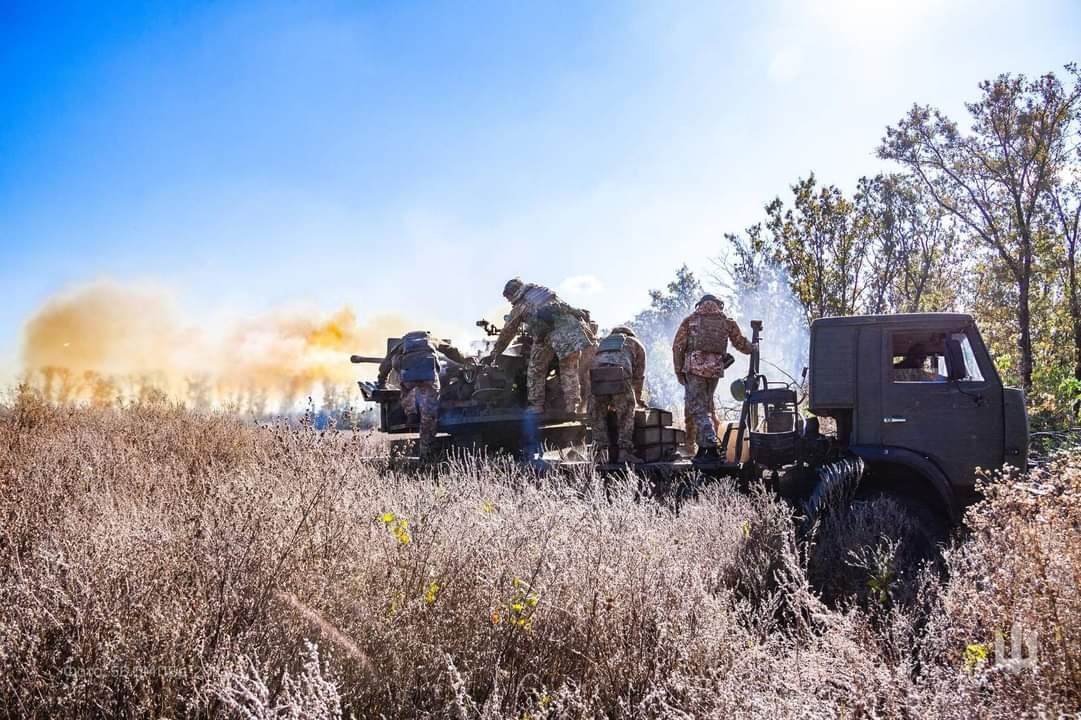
[160, 562]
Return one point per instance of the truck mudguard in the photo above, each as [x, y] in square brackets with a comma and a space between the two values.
[936, 480]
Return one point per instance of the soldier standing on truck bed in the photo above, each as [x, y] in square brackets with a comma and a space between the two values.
[616, 379]
[415, 360]
[698, 354]
[558, 330]
[585, 364]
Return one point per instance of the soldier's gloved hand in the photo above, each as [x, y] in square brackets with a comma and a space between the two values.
[682, 378]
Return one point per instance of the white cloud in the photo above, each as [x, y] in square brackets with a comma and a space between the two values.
[581, 285]
[786, 64]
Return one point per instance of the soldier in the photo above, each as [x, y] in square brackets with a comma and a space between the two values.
[617, 378]
[558, 331]
[698, 355]
[415, 360]
[585, 364]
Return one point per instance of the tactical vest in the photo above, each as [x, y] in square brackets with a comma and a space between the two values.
[710, 334]
[609, 375]
[536, 295]
[419, 362]
[610, 349]
[547, 311]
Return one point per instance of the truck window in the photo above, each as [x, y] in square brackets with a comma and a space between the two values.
[918, 357]
[972, 368]
[921, 357]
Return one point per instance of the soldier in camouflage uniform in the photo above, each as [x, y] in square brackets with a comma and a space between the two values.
[585, 364]
[698, 355]
[617, 378]
[415, 361]
[557, 330]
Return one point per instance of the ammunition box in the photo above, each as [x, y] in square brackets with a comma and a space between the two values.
[652, 417]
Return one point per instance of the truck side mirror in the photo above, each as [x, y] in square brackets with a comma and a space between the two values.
[955, 361]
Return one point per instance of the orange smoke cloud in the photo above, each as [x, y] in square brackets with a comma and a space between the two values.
[106, 341]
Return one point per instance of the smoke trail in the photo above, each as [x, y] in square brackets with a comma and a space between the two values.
[108, 342]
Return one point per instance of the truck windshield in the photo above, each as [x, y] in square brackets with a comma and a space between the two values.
[921, 357]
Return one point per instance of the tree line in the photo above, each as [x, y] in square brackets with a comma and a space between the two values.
[980, 216]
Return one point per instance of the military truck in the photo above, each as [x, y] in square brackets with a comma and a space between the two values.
[917, 397]
[915, 403]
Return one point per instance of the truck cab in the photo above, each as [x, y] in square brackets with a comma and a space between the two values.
[918, 397]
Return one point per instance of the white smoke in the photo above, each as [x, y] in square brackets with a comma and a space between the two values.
[784, 342]
[785, 338]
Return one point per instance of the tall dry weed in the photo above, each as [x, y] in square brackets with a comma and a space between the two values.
[160, 562]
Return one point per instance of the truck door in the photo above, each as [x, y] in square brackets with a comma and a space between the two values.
[957, 423]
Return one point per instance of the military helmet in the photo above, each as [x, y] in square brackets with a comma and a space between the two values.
[512, 286]
[623, 330]
[709, 298]
[739, 389]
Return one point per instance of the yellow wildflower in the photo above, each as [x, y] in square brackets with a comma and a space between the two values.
[433, 590]
[976, 655]
[387, 518]
[496, 619]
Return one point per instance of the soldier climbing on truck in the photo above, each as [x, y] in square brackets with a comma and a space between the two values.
[557, 331]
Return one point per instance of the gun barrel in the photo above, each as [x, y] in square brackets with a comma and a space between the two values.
[365, 359]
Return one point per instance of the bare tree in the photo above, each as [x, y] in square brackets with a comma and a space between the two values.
[994, 179]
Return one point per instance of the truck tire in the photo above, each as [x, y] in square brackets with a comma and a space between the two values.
[928, 528]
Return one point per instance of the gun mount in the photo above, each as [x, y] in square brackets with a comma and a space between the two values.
[483, 405]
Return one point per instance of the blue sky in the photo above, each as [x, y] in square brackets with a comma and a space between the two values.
[405, 154]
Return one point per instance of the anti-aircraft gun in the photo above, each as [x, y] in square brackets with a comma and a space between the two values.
[482, 405]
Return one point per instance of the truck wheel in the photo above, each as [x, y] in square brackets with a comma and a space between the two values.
[924, 529]
[850, 556]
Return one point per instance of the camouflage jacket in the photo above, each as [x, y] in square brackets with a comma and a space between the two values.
[632, 358]
[524, 306]
[568, 334]
[698, 362]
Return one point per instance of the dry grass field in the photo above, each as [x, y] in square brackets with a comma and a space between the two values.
[156, 562]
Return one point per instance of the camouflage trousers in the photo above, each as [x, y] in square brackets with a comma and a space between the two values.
[700, 410]
[422, 398]
[623, 406]
[585, 362]
[540, 357]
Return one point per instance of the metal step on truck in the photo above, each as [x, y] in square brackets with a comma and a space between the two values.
[910, 405]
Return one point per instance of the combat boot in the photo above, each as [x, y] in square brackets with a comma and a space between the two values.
[707, 455]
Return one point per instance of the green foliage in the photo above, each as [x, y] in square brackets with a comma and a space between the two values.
[985, 220]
